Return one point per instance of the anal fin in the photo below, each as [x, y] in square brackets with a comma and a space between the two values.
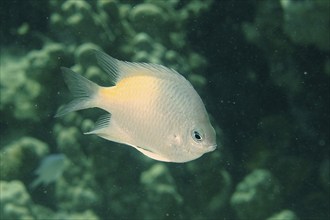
[151, 154]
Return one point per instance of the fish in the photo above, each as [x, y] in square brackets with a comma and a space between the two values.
[150, 107]
[49, 170]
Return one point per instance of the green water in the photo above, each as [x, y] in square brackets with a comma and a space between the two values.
[262, 69]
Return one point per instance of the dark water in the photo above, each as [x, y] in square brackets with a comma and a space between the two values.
[261, 67]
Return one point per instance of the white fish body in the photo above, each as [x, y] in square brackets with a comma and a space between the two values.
[151, 108]
[51, 168]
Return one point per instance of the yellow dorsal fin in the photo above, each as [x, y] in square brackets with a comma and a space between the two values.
[119, 70]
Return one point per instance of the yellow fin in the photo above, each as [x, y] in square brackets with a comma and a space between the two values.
[119, 70]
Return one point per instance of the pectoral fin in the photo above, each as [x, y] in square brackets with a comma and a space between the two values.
[107, 128]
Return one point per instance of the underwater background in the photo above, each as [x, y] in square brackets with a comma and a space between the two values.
[262, 69]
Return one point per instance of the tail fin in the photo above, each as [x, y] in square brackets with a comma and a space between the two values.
[81, 88]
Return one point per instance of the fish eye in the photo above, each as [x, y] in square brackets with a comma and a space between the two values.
[197, 135]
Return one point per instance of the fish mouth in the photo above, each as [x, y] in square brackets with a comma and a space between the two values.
[211, 148]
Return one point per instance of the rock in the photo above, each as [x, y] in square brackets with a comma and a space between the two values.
[256, 196]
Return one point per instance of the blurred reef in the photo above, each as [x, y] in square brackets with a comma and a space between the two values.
[261, 67]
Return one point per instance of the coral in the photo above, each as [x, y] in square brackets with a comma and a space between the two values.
[18, 158]
[284, 215]
[76, 197]
[15, 201]
[84, 215]
[307, 22]
[160, 189]
[17, 90]
[24, 82]
[75, 22]
[157, 19]
[256, 196]
[75, 189]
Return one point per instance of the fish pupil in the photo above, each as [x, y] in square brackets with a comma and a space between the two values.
[197, 136]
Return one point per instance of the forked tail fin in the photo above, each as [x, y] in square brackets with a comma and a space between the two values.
[83, 90]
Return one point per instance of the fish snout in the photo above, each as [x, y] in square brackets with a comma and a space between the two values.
[211, 148]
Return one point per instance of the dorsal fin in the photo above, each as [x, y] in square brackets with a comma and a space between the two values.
[108, 64]
[119, 70]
